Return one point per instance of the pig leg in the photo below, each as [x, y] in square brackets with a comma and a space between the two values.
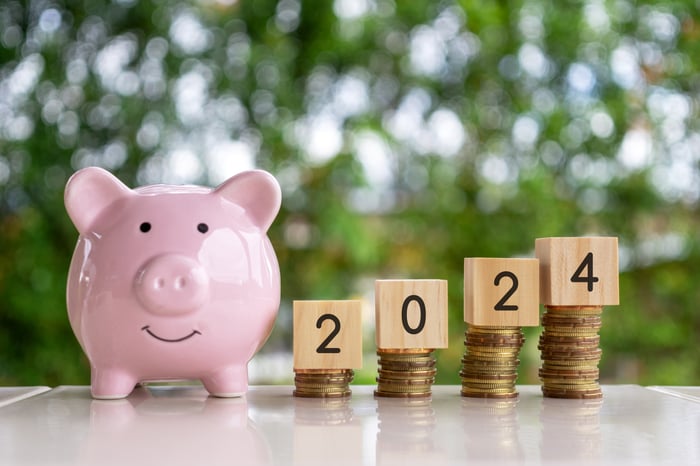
[111, 384]
[229, 382]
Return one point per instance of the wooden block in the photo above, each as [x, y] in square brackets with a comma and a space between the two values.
[501, 292]
[578, 271]
[411, 314]
[327, 334]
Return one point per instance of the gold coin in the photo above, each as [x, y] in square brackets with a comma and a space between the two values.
[494, 365]
[323, 371]
[487, 377]
[312, 384]
[408, 378]
[469, 389]
[381, 393]
[548, 366]
[593, 375]
[573, 309]
[474, 344]
[388, 388]
[494, 331]
[328, 377]
[403, 374]
[406, 358]
[573, 395]
[486, 395]
[558, 357]
[406, 365]
[408, 351]
[321, 395]
[553, 340]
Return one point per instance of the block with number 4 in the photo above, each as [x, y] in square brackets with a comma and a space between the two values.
[578, 271]
[411, 314]
[501, 292]
[327, 334]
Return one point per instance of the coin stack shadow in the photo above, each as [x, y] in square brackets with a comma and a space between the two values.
[323, 383]
[490, 364]
[405, 373]
[570, 352]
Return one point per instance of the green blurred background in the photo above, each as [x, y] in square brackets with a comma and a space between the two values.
[406, 136]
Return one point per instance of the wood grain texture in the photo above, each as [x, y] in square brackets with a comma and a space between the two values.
[501, 292]
[308, 337]
[411, 314]
[578, 271]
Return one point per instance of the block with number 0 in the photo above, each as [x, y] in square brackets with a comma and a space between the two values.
[501, 292]
[578, 271]
[411, 314]
[327, 334]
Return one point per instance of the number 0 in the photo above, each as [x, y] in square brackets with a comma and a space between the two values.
[404, 315]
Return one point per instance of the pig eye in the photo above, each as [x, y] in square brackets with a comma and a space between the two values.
[202, 228]
[145, 227]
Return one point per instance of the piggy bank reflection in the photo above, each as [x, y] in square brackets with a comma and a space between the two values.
[172, 282]
[182, 429]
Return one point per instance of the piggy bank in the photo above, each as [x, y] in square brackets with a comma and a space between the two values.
[172, 282]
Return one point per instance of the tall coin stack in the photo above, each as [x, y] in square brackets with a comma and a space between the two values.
[570, 352]
[405, 373]
[490, 364]
[579, 275]
[323, 383]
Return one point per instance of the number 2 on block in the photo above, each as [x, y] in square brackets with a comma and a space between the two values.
[586, 267]
[323, 347]
[501, 305]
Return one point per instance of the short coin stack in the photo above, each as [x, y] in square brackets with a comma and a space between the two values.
[570, 352]
[323, 383]
[490, 364]
[405, 373]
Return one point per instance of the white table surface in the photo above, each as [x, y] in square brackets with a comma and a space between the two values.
[688, 393]
[183, 426]
[13, 394]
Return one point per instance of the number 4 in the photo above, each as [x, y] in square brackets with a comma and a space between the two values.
[587, 268]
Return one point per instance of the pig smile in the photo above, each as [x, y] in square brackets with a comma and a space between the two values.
[168, 340]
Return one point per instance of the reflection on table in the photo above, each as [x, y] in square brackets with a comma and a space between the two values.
[183, 425]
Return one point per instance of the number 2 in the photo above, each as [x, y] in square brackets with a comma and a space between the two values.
[501, 305]
[586, 266]
[323, 347]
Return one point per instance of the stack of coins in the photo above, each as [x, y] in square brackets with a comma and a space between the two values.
[490, 364]
[322, 383]
[405, 373]
[570, 352]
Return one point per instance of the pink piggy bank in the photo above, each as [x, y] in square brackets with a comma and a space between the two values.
[172, 282]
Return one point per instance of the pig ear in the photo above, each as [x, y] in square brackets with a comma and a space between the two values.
[257, 192]
[88, 192]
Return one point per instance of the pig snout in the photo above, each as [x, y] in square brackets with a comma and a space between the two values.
[172, 284]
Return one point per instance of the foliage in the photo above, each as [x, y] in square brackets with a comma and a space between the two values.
[406, 136]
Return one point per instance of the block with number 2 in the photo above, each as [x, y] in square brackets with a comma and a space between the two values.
[501, 292]
[327, 334]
